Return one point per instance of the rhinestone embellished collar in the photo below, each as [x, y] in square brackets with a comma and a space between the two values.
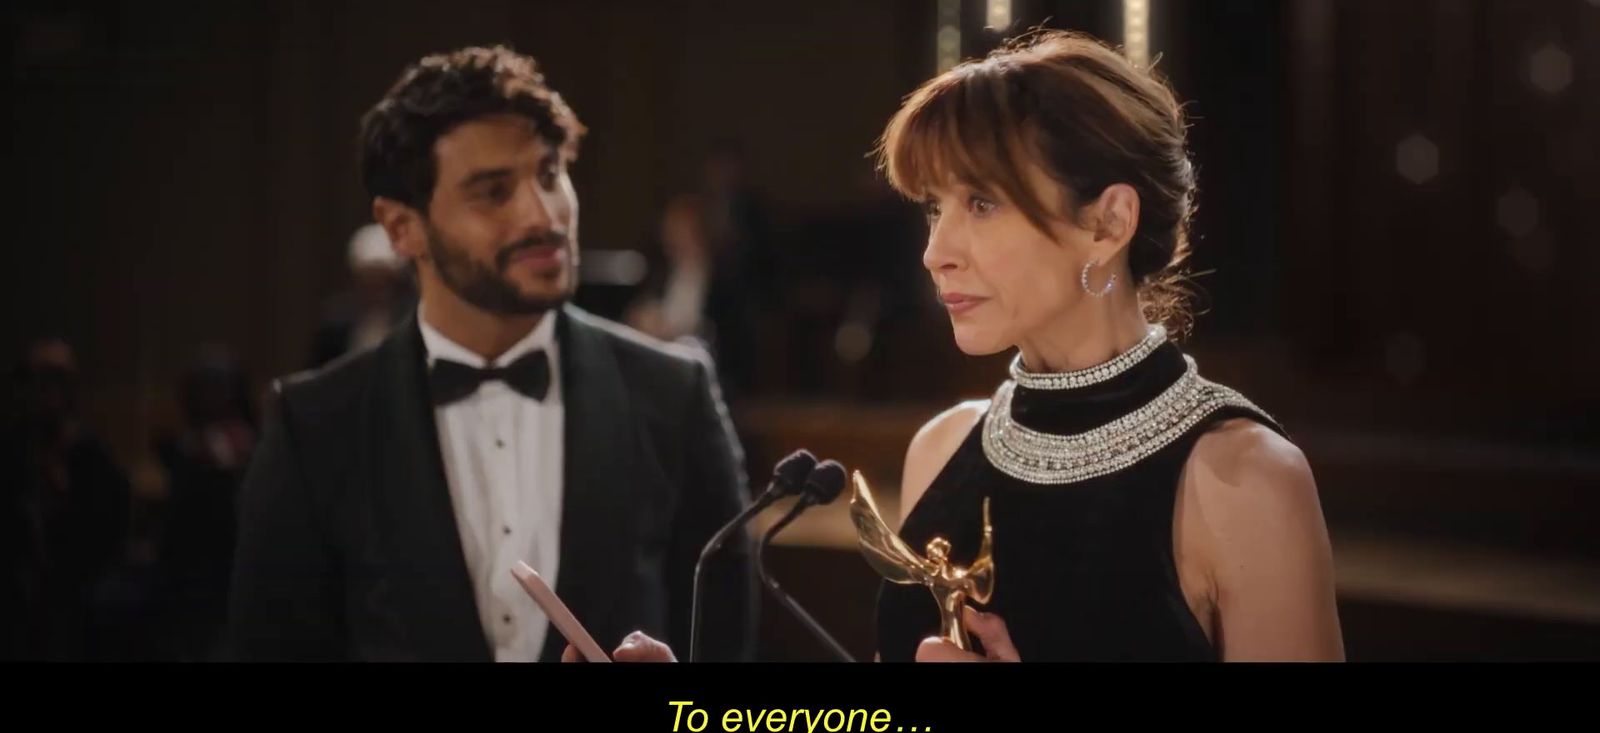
[1154, 336]
[1045, 458]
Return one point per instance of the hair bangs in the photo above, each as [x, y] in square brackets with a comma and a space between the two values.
[962, 128]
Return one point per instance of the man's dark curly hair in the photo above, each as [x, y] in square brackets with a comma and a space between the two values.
[442, 91]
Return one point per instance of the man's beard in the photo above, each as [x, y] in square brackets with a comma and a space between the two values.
[487, 286]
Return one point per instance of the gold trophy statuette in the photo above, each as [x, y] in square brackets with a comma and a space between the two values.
[893, 559]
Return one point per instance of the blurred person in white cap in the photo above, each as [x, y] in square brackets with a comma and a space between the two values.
[380, 294]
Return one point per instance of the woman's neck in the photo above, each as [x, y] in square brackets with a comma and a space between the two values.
[1084, 337]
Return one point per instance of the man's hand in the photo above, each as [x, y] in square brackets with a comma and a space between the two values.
[636, 647]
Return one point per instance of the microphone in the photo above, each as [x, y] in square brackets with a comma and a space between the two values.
[824, 485]
[787, 478]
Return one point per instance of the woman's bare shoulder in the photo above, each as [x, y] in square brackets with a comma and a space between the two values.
[1264, 543]
[931, 448]
[1242, 456]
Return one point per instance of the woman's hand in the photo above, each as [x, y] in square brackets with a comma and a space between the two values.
[636, 647]
[990, 631]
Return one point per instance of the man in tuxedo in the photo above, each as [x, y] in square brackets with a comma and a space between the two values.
[394, 490]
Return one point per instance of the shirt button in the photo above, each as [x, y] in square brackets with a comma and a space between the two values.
[506, 618]
[506, 530]
[498, 443]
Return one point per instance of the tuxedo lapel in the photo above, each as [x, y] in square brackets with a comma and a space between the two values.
[436, 605]
[598, 444]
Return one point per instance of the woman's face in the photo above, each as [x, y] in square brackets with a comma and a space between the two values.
[999, 277]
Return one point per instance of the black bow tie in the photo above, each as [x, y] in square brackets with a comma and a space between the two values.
[451, 380]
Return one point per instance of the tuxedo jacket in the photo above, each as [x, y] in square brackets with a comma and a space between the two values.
[348, 547]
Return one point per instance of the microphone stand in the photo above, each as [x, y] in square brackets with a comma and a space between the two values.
[786, 478]
[711, 547]
[783, 597]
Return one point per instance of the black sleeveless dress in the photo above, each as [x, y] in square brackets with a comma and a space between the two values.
[1082, 543]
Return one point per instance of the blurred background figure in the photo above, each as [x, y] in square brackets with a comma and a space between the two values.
[673, 299]
[380, 292]
[712, 272]
[745, 269]
[65, 506]
[204, 462]
[738, 229]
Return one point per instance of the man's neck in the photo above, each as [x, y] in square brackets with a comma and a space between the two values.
[483, 333]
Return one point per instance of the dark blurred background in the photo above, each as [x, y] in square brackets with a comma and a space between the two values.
[1392, 249]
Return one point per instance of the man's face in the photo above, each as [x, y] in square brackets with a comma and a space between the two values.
[502, 227]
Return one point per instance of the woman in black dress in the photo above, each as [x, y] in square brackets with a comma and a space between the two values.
[1140, 511]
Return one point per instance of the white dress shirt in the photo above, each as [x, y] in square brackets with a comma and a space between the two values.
[502, 459]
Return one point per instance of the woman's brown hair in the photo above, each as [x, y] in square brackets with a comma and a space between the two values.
[1089, 116]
